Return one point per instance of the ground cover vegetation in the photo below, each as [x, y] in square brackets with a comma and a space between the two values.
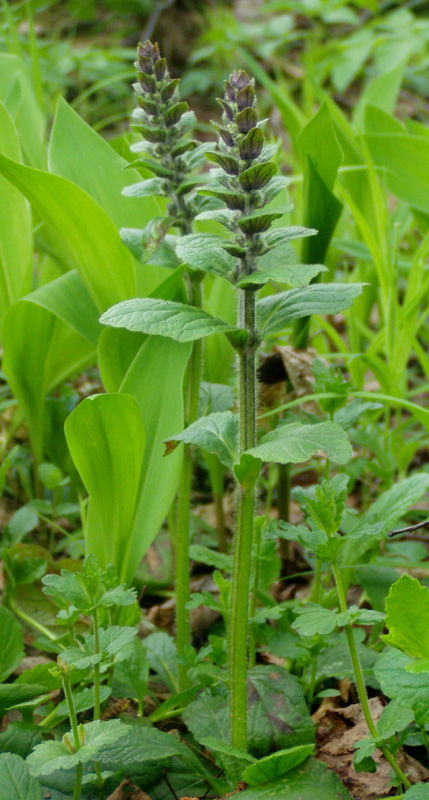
[214, 388]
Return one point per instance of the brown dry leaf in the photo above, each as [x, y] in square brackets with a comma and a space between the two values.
[282, 363]
[128, 791]
[338, 731]
[328, 704]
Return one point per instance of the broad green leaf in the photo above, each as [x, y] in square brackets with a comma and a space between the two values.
[163, 659]
[106, 438]
[20, 738]
[405, 160]
[295, 443]
[309, 781]
[394, 718]
[382, 92]
[14, 693]
[335, 661]
[90, 238]
[407, 611]
[68, 299]
[407, 688]
[50, 756]
[16, 783]
[274, 267]
[277, 717]
[205, 252]
[137, 745]
[277, 764]
[17, 93]
[277, 311]
[379, 121]
[418, 792]
[314, 619]
[81, 155]
[163, 318]
[16, 247]
[159, 396]
[82, 700]
[11, 643]
[205, 555]
[392, 505]
[281, 236]
[40, 352]
[217, 433]
[131, 675]
[147, 188]
[318, 140]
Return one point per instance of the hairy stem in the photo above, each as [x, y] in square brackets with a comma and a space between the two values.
[238, 628]
[360, 682]
[76, 741]
[183, 632]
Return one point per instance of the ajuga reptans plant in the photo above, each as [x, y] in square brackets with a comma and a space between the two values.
[164, 121]
[242, 185]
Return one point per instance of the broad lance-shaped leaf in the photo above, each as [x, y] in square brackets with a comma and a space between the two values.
[278, 310]
[164, 318]
[295, 443]
[407, 613]
[281, 272]
[51, 756]
[217, 433]
[11, 644]
[110, 466]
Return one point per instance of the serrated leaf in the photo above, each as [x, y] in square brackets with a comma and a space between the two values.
[51, 756]
[205, 555]
[408, 689]
[308, 781]
[16, 783]
[112, 642]
[137, 745]
[407, 612]
[418, 792]
[314, 619]
[295, 443]
[205, 252]
[11, 643]
[163, 658]
[217, 433]
[20, 738]
[277, 311]
[349, 414]
[277, 764]
[163, 318]
[277, 712]
[394, 718]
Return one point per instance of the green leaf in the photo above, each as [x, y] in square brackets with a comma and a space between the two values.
[11, 643]
[89, 236]
[260, 220]
[295, 443]
[205, 555]
[392, 505]
[15, 225]
[81, 155]
[163, 318]
[407, 611]
[110, 469]
[306, 782]
[277, 311]
[418, 792]
[394, 719]
[277, 764]
[257, 177]
[318, 140]
[20, 738]
[273, 267]
[217, 433]
[50, 756]
[16, 783]
[314, 619]
[113, 644]
[278, 714]
[137, 745]
[163, 659]
[382, 91]
[16, 89]
[410, 690]
[205, 252]
[131, 675]
[147, 188]
[281, 236]
[405, 159]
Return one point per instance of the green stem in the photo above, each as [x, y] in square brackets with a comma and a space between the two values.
[182, 588]
[76, 741]
[360, 683]
[253, 602]
[283, 507]
[97, 698]
[240, 588]
[35, 624]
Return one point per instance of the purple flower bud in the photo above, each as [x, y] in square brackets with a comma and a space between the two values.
[245, 97]
[229, 114]
[229, 91]
[239, 79]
